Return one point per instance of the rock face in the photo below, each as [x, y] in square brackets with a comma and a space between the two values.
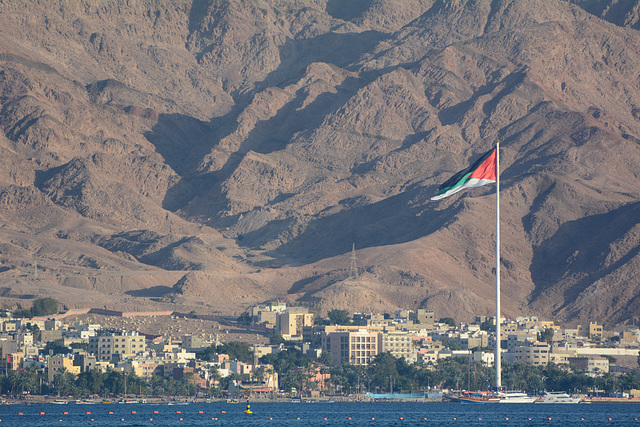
[217, 154]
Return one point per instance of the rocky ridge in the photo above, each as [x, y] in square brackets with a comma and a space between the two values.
[217, 154]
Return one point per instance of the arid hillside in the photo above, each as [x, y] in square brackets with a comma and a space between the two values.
[213, 154]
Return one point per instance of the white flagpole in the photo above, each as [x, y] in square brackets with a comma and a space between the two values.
[498, 356]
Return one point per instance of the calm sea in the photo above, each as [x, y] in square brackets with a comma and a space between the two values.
[320, 414]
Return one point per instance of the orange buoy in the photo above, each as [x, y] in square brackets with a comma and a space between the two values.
[150, 419]
[201, 412]
[608, 419]
[65, 413]
[110, 413]
[454, 418]
[549, 419]
[178, 412]
[506, 419]
[41, 413]
[223, 412]
[88, 412]
[479, 419]
[581, 419]
[270, 419]
[133, 412]
[20, 413]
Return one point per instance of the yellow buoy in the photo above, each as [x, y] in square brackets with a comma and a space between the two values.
[248, 411]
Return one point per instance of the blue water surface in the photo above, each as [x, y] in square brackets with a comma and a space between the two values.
[321, 414]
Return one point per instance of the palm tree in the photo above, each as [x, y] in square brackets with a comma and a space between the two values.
[63, 381]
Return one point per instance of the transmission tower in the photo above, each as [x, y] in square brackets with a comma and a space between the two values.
[353, 270]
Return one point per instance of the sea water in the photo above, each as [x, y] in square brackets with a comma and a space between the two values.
[320, 414]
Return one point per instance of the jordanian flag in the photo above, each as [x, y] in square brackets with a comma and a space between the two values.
[482, 172]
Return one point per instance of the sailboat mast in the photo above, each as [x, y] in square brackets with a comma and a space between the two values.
[498, 356]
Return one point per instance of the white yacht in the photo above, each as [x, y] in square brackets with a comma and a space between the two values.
[515, 397]
[557, 397]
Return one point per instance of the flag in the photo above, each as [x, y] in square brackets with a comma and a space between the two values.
[482, 172]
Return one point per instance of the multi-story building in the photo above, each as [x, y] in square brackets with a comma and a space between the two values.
[290, 324]
[108, 343]
[520, 338]
[595, 331]
[192, 341]
[267, 314]
[426, 318]
[85, 361]
[399, 344]
[59, 361]
[536, 354]
[370, 319]
[590, 364]
[356, 347]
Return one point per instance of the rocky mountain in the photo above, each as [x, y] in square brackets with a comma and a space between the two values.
[213, 154]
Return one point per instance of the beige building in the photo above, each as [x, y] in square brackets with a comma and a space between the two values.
[399, 344]
[108, 343]
[595, 331]
[291, 323]
[561, 355]
[56, 363]
[590, 364]
[12, 361]
[536, 354]
[355, 347]
[143, 367]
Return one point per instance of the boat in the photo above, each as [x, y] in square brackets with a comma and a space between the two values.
[233, 401]
[557, 397]
[59, 402]
[514, 397]
[472, 397]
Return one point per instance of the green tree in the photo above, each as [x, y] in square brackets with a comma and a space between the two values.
[44, 306]
[22, 313]
[90, 382]
[448, 320]
[276, 338]
[546, 335]
[237, 350]
[339, 317]
[326, 358]
[55, 347]
[245, 318]
[63, 382]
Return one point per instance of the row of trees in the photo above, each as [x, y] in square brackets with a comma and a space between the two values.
[40, 307]
[34, 381]
[388, 373]
[296, 370]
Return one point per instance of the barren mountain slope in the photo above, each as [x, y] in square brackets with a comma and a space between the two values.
[220, 153]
